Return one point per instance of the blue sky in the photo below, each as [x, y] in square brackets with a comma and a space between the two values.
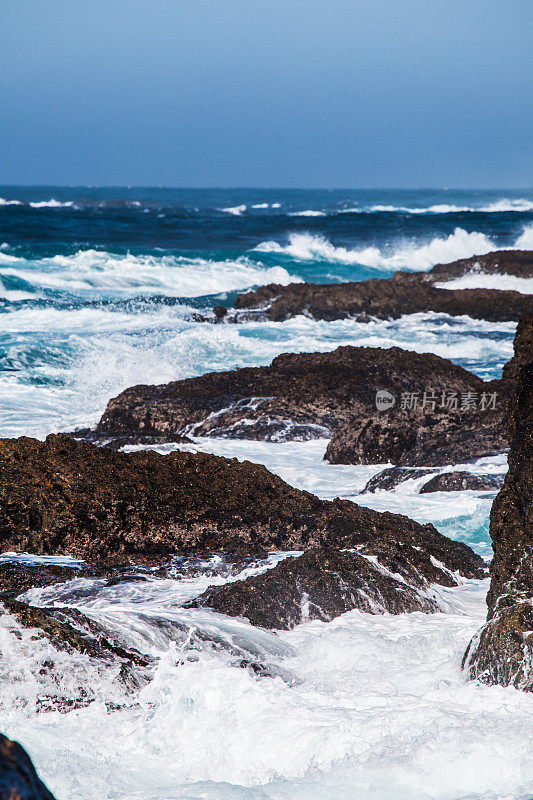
[301, 93]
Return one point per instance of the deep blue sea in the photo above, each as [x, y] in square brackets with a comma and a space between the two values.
[97, 287]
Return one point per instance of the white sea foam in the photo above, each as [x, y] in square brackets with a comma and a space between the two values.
[307, 213]
[476, 280]
[51, 204]
[314, 247]
[235, 210]
[525, 240]
[4, 202]
[97, 273]
[503, 205]
[260, 205]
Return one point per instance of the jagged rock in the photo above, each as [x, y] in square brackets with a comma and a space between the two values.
[500, 262]
[404, 293]
[420, 440]
[462, 481]
[299, 396]
[427, 437]
[382, 576]
[391, 477]
[502, 652]
[66, 497]
[18, 777]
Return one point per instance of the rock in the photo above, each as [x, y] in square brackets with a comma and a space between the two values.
[382, 576]
[462, 481]
[391, 477]
[431, 437]
[502, 652]
[501, 262]
[61, 496]
[404, 293]
[299, 396]
[18, 777]
[523, 352]
[418, 439]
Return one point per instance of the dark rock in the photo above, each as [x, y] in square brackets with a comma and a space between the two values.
[18, 777]
[299, 396]
[501, 262]
[66, 497]
[69, 629]
[418, 439]
[404, 293]
[502, 652]
[391, 477]
[462, 481]
[437, 436]
[382, 576]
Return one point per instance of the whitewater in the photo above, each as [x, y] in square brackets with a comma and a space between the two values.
[99, 290]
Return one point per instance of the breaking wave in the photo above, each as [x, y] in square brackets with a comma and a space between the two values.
[97, 273]
[419, 257]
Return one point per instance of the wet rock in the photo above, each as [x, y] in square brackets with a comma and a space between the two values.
[391, 477]
[429, 435]
[69, 629]
[66, 497]
[18, 777]
[420, 439]
[463, 481]
[501, 262]
[299, 396]
[502, 652]
[404, 293]
[382, 576]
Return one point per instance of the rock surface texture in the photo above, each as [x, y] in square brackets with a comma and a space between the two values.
[502, 652]
[18, 777]
[66, 497]
[383, 575]
[467, 428]
[299, 396]
[404, 293]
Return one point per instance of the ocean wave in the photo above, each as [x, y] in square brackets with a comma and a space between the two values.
[307, 213]
[100, 273]
[420, 257]
[498, 206]
[236, 211]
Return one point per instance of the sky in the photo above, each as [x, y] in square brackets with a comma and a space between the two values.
[269, 93]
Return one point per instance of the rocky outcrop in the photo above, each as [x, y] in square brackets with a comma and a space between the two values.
[418, 439]
[381, 576]
[66, 497]
[18, 777]
[502, 652]
[518, 263]
[391, 477]
[462, 481]
[404, 293]
[453, 429]
[299, 396]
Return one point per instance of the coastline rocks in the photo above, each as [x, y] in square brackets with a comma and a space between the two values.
[462, 481]
[502, 652]
[382, 576]
[66, 497]
[299, 396]
[391, 477]
[404, 293]
[418, 439]
[18, 777]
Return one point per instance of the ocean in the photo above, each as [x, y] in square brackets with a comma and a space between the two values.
[97, 289]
